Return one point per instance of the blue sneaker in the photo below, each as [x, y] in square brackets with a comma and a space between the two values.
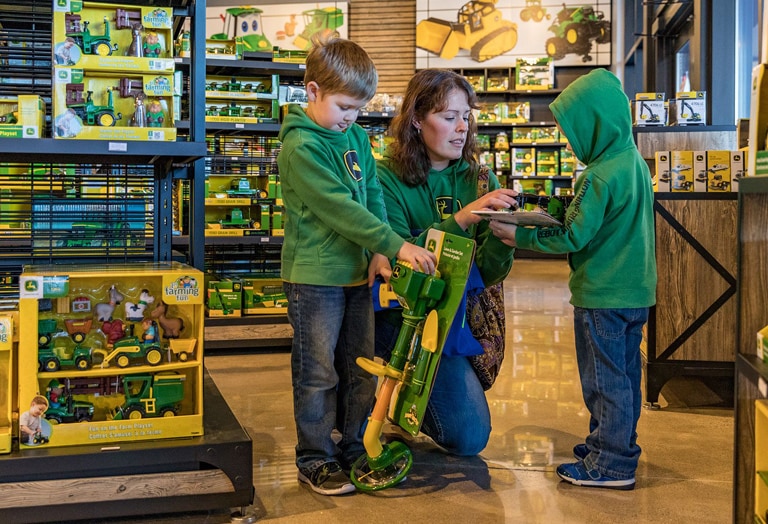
[580, 451]
[577, 474]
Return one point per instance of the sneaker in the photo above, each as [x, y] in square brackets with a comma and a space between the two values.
[580, 451]
[576, 473]
[328, 479]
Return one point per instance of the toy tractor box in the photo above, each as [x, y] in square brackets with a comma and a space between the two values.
[681, 171]
[648, 109]
[738, 162]
[242, 111]
[264, 296]
[700, 179]
[241, 87]
[534, 74]
[523, 161]
[22, 116]
[547, 162]
[689, 108]
[110, 106]
[110, 354]
[110, 37]
[8, 339]
[718, 171]
[224, 297]
[515, 112]
[662, 178]
[543, 186]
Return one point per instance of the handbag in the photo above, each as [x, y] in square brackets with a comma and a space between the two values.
[486, 317]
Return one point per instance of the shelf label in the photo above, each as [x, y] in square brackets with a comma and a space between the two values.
[120, 147]
[762, 386]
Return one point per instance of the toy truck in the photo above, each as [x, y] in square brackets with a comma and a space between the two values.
[129, 349]
[151, 396]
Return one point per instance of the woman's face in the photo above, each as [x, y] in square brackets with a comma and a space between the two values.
[445, 132]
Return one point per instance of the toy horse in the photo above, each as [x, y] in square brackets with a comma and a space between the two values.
[104, 310]
[172, 326]
[135, 312]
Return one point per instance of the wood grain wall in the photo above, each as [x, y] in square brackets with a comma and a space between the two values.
[387, 30]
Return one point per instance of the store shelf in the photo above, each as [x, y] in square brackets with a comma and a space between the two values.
[165, 476]
[99, 151]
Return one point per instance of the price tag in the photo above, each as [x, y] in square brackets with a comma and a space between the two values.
[120, 147]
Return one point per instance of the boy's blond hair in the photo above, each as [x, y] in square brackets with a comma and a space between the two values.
[341, 66]
[40, 401]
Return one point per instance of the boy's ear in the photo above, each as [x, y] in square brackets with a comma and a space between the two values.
[312, 91]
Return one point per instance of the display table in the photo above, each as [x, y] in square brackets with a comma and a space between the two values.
[134, 478]
[690, 330]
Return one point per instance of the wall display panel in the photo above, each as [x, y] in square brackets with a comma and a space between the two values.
[288, 26]
[457, 34]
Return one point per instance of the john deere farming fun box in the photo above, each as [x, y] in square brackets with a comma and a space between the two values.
[110, 354]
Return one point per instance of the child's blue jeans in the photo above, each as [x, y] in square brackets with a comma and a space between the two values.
[332, 327]
[608, 356]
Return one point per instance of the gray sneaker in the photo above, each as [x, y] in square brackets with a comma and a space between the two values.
[328, 479]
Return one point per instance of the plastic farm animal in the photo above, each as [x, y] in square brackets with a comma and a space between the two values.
[114, 330]
[135, 312]
[104, 310]
[172, 326]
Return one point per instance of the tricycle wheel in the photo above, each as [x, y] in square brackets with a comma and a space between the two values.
[385, 471]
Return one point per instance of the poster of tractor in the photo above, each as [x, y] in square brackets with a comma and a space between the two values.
[494, 33]
[287, 26]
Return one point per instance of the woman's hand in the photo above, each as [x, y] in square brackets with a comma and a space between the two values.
[493, 201]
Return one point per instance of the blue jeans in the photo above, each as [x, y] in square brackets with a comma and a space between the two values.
[332, 327]
[457, 416]
[608, 356]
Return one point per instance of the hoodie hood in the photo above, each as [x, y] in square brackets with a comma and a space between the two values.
[297, 119]
[594, 114]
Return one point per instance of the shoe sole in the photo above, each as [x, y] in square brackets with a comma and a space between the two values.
[620, 484]
[343, 490]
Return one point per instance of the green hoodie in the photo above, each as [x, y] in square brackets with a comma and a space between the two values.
[609, 227]
[334, 209]
[412, 210]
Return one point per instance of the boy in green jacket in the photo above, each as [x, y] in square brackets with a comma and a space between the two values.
[336, 242]
[610, 240]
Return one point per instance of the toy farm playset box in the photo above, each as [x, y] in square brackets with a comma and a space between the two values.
[110, 354]
[113, 72]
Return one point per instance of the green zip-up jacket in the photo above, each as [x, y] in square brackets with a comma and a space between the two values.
[609, 227]
[334, 210]
[412, 210]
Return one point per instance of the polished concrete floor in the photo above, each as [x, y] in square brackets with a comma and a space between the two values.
[685, 472]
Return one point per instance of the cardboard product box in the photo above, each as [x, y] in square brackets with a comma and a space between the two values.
[242, 111]
[22, 116]
[648, 109]
[241, 87]
[477, 81]
[110, 106]
[225, 298]
[523, 135]
[278, 215]
[523, 161]
[8, 338]
[502, 160]
[567, 162]
[690, 108]
[547, 162]
[546, 135]
[111, 372]
[662, 180]
[718, 171]
[264, 296]
[737, 168]
[682, 171]
[497, 81]
[515, 112]
[487, 113]
[762, 344]
[758, 121]
[113, 38]
[543, 186]
[700, 171]
[534, 74]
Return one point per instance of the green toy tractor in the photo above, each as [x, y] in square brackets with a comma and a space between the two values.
[575, 29]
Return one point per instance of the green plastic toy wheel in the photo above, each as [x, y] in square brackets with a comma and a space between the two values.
[385, 471]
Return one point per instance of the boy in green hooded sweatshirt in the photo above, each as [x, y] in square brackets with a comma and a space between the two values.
[336, 241]
[610, 241]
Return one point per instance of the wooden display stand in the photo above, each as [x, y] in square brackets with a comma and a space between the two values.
[135, 478]
[690, 328]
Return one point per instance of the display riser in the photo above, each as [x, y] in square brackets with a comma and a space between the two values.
[139, 478]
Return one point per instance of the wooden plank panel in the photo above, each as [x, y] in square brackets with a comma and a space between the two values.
[688, 284]
[387, 30]
[122, 487]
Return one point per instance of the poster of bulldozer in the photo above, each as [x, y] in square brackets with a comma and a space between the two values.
[490, 33]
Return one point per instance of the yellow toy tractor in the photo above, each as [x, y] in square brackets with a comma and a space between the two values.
[480, 29]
